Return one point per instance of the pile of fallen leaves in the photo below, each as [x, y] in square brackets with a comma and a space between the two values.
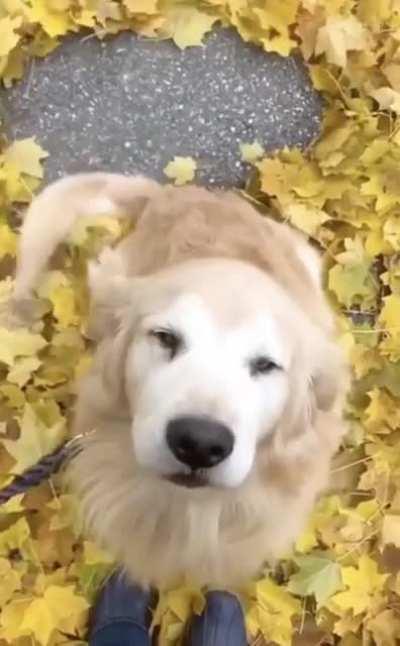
[341, 585]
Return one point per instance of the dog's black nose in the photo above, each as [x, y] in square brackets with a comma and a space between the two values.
[199, 442]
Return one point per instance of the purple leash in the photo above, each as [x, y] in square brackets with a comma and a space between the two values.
[42, 470]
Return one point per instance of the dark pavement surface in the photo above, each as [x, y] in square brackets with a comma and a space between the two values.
[129, 104]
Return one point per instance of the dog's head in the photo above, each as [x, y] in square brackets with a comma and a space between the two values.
[210, 359]
[215, 337]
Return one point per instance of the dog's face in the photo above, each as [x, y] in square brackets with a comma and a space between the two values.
[215, 369]
[208, 359]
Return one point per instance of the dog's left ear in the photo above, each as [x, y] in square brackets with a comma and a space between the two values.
[329, 380]
[317, 385]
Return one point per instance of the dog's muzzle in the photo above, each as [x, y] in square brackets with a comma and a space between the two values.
[199, 443]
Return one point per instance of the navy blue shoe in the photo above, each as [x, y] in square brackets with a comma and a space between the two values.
[221, 624]
[122, 614]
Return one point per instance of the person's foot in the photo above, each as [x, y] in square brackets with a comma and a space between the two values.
[221, 624]
[121, 615]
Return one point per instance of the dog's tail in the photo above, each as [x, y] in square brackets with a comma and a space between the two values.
[52, 214]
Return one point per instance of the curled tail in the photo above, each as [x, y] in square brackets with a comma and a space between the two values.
[52, 214]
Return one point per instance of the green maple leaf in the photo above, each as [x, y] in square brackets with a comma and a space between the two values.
[318, 575]
[388, 377]
[352, 283]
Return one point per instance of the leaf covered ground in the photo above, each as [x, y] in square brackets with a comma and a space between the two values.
[341, 585]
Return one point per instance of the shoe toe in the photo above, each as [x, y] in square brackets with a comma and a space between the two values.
[121, 608]
[222, 622]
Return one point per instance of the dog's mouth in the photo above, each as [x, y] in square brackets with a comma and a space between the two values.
[193, 480]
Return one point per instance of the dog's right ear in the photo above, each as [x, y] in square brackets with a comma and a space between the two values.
[111, 292]
[53, 213]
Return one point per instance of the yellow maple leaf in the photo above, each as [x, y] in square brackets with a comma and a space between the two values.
[339, 36]
[10, 581]
[392, 73]
[277, 15]
[174, 609]
[63, 299]
[54, 23]
[107, 10]
[181, 170]
[12, 8]
[85, 18]
[391, 530]
[307, 25]
[325, 510]
[383, 413]
[66, 514]
[306, 218]
[275, 19]
[390, 314]
[364, 359]
[25, 156]
[323, 80]
[16, 537]
[364, 510]
[307, 539]
[22, 370]
[374, 151]
[277, 179]
[13, 395]
[359, 520]
[376, 243]
[8, 241]
[6, 289]
[147, 7]
[375, 12]
[352, 283]
[362, 584]
[272, 612]
[251, 152]
[83, 228]
[14, 504]
[44, 614]
[14, 189]
[93, 554]
[8, 33]
[58, 290]
[183, 600]
[386, 192]
[59, 5]
[391, 232]
[354, 252]
[346, 627]
[187, 26]
[35, 441]
[11, 620]
[384, 627]
[19, 343]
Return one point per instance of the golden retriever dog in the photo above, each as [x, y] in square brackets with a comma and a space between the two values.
[217, 383]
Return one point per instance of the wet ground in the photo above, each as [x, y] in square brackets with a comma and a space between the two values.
[129, 104]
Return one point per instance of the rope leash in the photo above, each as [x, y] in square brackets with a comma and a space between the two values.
[42, 470]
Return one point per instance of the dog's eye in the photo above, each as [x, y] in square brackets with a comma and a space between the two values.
[261, 366]
[168, 340]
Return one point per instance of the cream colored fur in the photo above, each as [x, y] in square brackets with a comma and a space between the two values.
[215, 248]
